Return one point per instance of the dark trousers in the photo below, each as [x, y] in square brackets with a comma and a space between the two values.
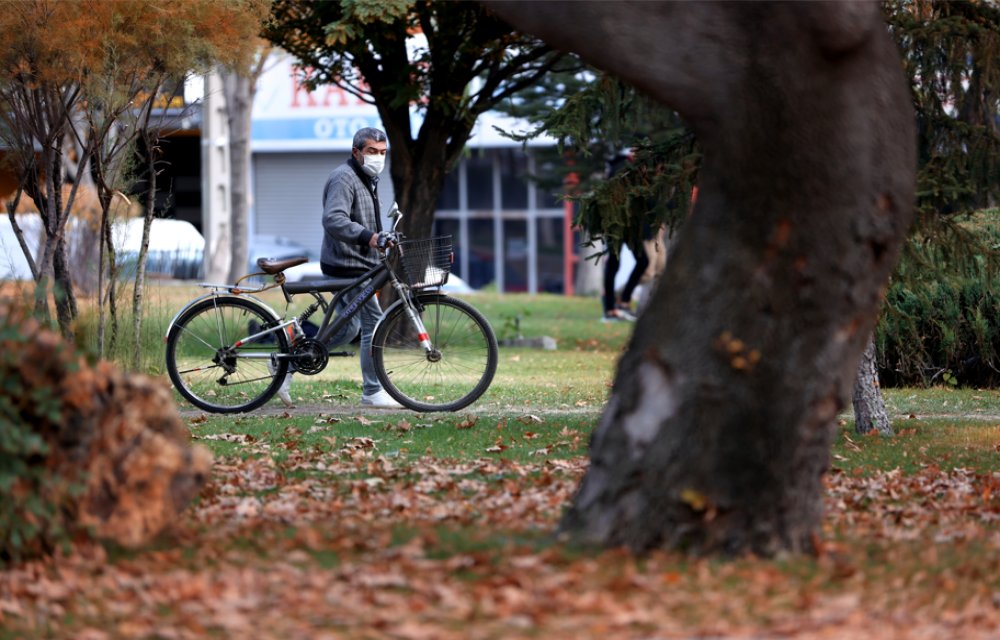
[611, 269]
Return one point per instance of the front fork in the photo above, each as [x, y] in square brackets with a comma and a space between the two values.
[425, 340]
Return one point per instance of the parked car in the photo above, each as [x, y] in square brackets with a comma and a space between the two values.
[456, 285]
[308, 271]
[176, 248]
[276, 248]
[13, 264]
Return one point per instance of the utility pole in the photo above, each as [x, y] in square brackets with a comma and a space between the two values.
[215, 187]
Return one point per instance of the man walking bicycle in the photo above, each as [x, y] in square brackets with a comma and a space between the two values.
[352, 236]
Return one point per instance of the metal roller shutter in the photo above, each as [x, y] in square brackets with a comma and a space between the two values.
[288, 194]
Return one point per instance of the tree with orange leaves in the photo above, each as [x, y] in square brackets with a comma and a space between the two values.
[103, 61]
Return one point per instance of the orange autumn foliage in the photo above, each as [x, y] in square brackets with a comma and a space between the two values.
[67, 43]
[116, 461]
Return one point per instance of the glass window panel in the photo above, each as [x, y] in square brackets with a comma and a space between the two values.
[446, 227]
[479, 171]
[448, 200]
[550, 255]
[548, 198]
[481, 265]
[548, 183]
[514, 183]
[515, 264]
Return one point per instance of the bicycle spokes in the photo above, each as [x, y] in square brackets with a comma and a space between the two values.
[442, 363]
[220, 355]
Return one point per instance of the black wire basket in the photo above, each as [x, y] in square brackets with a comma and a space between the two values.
[426, 263]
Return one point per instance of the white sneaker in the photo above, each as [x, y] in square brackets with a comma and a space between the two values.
[380, 399]
[284, 391]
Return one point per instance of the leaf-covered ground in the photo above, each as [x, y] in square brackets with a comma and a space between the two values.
[347, 541]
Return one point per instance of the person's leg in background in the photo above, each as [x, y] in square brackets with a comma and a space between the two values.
[608, 298]
[641, 264]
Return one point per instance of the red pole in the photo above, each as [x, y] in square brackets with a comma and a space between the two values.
[569, 257]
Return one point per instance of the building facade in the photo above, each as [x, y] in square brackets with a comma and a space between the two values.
[508, 234]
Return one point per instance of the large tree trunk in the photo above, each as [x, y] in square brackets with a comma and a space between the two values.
[869, 406]
[718, 427]
[417, 178]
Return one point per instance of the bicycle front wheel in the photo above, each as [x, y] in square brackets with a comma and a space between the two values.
[212, 369]
[454, 374]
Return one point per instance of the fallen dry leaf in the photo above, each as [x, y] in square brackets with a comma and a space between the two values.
[315, 544]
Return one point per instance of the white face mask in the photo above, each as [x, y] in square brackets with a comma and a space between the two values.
[373, 165]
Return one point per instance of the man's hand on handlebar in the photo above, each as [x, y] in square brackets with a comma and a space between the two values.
[384, 239]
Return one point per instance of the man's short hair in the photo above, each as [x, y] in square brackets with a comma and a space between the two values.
[368, 134]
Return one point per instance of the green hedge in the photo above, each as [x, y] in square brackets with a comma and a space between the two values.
[941, 320]
[941, 332]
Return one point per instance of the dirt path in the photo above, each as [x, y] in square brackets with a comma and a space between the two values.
[314, 409]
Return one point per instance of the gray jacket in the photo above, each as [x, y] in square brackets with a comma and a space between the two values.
[350, 217]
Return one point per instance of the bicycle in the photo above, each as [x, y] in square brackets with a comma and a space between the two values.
[229, 352]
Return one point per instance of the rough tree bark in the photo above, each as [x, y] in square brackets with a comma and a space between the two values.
[719, 423]
[418, 175]
[869, 406]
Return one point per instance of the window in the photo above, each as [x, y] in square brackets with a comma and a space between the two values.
[548, 185]
[515, 259]
[479, 173]
[448, 200]
[481, 266]
[514, 183]
[550, 255]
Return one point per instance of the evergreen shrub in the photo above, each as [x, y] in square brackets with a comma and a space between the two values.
[941, 319]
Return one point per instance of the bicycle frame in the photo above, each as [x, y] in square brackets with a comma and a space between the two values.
[210, 336]
[378, 275]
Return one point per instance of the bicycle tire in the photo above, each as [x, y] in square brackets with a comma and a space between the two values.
[462, 338]
[199, 336]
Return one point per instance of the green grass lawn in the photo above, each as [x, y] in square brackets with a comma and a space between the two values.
[333, 521]
[548, 401]
[535, 428]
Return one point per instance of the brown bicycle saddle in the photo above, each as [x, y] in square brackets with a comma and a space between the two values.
[271, 266]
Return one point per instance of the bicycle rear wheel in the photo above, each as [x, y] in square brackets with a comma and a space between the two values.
[210, 370]
[454, 374]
